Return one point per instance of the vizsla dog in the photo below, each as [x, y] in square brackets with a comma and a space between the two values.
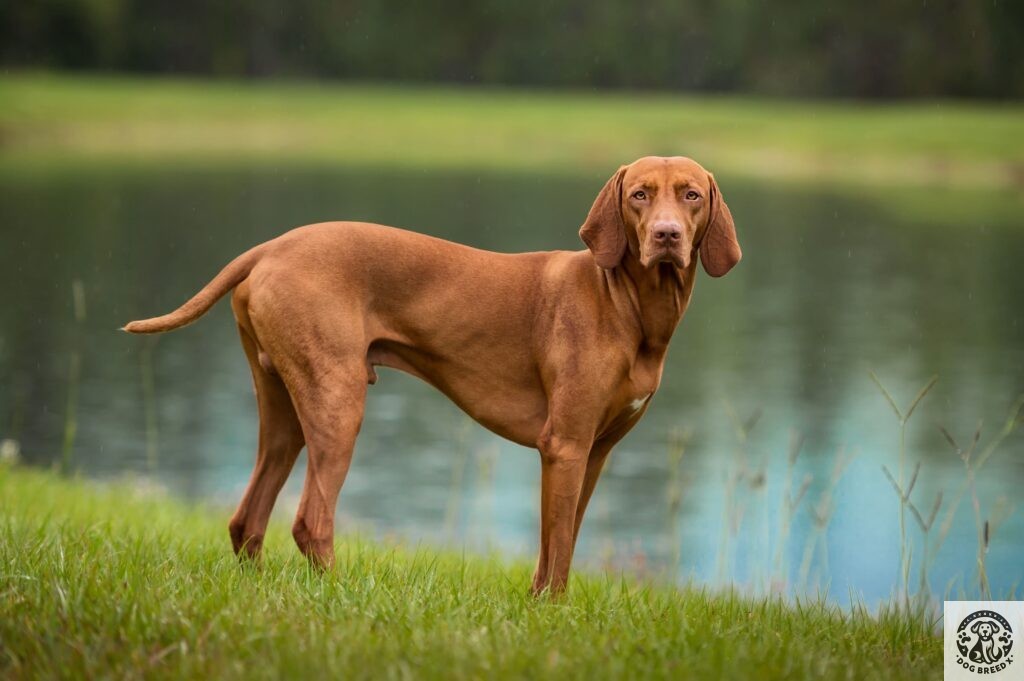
[558, 350]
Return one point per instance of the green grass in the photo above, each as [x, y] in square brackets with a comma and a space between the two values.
[110, 582]
[64, 118]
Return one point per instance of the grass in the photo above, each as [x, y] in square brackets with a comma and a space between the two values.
[112, 582]
[60, 118]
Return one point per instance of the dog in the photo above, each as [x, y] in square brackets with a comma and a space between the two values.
[985, 650]
[558, 350]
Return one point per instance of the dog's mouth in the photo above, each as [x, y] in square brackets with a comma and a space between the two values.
[659, 254]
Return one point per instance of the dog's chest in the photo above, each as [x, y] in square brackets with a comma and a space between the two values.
[638, 403]
[626, 409]
[640, 385]
[633, 395]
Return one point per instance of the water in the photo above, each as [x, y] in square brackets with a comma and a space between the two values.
[834, 283]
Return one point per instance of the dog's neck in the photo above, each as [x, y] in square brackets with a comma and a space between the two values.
[656, 298]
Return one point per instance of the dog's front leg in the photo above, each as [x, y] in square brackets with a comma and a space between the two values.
[563, 468]
[595, 463]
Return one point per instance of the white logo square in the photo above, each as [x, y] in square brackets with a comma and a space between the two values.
[982, 639]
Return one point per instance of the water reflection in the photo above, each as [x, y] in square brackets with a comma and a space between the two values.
[832, 284]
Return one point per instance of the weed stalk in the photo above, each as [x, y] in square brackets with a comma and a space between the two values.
[74, 376]
[904, 493]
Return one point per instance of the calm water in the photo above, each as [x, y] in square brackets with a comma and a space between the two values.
[833, 284]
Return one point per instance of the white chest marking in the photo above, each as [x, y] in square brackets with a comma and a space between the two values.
[638, 404]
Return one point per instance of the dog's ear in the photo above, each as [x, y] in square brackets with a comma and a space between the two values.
[719, 249]
[604, 231]
[995, 627]
[974, 627]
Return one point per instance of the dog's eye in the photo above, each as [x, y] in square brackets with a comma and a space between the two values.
[640, 195]
[692, 195]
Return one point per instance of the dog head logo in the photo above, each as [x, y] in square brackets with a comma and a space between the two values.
[985, 642]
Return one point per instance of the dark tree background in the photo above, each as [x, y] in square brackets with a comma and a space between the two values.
[902, 48]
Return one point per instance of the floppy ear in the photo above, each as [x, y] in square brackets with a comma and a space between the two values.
[604, 231]
[719, 249]
[974, 627]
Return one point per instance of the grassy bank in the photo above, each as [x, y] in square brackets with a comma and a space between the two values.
[64, 119]
[111, 583]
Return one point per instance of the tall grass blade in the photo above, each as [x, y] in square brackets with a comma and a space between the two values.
[148, 380]
[920, 396]
[74, 377]
[887, 395]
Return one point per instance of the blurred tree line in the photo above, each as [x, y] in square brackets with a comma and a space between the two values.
[901, 48]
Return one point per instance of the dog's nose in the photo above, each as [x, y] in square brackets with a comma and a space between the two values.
[667, 232]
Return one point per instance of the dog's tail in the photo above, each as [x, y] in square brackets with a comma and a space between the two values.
[229, 277]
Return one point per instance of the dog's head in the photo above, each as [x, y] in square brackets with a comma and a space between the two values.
[662, 210]
[984, 629]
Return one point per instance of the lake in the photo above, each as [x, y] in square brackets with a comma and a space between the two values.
[835, 282]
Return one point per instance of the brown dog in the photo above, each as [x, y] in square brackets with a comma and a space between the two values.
[557, 350]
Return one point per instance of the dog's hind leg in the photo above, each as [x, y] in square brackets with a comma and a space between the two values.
[280, 440]
[330, 406]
